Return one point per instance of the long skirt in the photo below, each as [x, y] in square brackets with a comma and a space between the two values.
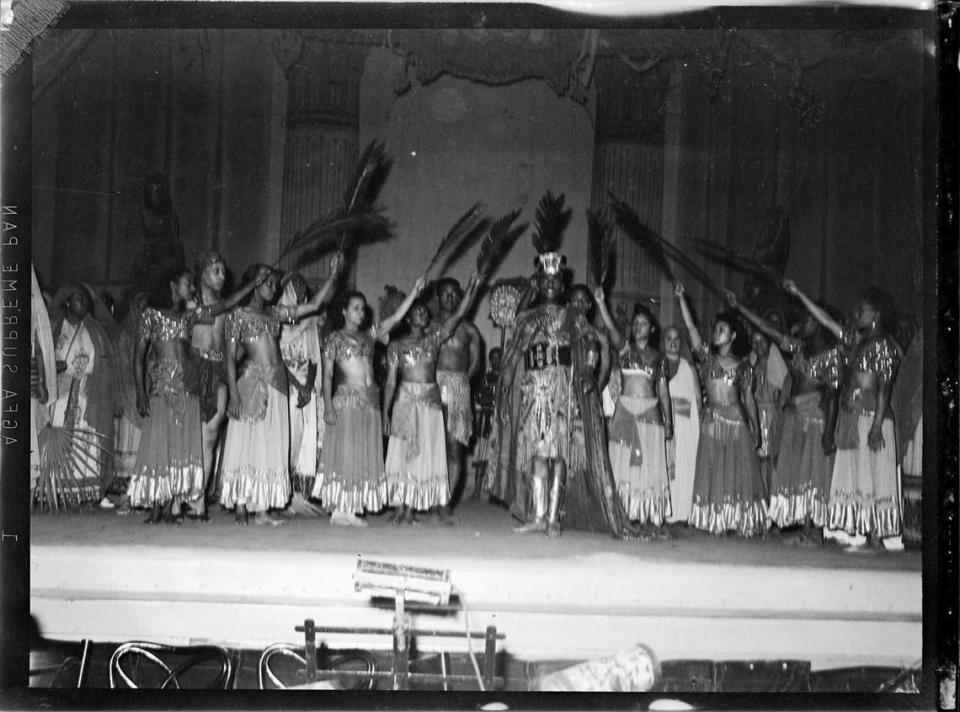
[416, 466]
[170, 454]
[800, 482]
[256, 451]
[683, 449]
[351, 475]
[728, 493]
[127, 444]
[638, 456]
[865, 488]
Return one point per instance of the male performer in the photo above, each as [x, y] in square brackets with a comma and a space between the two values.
[207, 348]
[457, 365]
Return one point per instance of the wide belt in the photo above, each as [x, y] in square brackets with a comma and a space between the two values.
[540, 356]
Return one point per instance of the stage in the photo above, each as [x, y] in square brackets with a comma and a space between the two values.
[105, 577]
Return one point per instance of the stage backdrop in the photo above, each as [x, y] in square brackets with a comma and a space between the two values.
[705, 133]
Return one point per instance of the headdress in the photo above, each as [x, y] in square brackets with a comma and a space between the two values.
[551, 221]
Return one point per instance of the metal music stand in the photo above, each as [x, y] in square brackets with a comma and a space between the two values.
[429, 590]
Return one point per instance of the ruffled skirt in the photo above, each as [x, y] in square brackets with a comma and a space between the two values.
[641, 471]
[351, 475]
[417, 471]
[800, 481]
[728, 492]
[865, 489]
[256, 458]
[170, 454]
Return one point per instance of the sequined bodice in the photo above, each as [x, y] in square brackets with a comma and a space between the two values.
[158, 325]
[346, 346]
[246, 325]
[411, 352]
[822, 367]
[632, 364]
[711, 369]
[879, 356]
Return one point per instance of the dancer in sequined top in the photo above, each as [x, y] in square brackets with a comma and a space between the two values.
[800, 481]
[864, 505]
[728, 492]
[169, 467]
[642, 421]
[416, 465]
[256, 451]
[351, 478]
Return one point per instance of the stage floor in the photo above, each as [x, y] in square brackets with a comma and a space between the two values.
[107, 577]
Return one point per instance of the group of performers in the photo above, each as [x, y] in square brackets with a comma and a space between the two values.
[593, 427]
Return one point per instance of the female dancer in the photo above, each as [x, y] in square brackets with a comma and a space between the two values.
[256, 452]
[351, 476]
[416, 466]
[864, 504]
[300, 349]
[685, 399]
[169, 466]
[800, 482]
[727, 489]
[769, 372]
[642, 421]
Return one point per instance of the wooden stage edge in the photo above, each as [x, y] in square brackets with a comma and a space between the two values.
[112, 579]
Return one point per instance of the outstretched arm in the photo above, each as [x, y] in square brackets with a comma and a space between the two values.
[616, 338]
[696, 343]
[321, 296]
[388, 324]
[234, 299]
[759, 322]
[819, 314]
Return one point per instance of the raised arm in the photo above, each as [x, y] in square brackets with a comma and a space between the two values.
[819, 314]
[234, 299]
[336, 264]
[388, 324]
[696, 343]
[616, 338]
[759, 322]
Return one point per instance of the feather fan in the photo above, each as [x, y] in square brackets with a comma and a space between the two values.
[658, 250]
[356, 219]
[736, 261]
[501, 235]
[600, 246]
[461, 228]
[551, 220]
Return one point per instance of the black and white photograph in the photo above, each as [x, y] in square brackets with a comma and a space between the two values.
[484, 350]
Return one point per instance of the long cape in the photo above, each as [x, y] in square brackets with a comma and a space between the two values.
[591, 501]
[104, 396]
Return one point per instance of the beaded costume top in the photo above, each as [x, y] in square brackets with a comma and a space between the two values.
[823, 367]
[156, 325]
[351, 345]
[711, 369]
[414, 351]
[632, 364]
[246, 325]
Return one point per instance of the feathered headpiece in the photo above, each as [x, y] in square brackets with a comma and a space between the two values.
[600, 245]
[496, 243]
[551, 221]
[358, 219]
